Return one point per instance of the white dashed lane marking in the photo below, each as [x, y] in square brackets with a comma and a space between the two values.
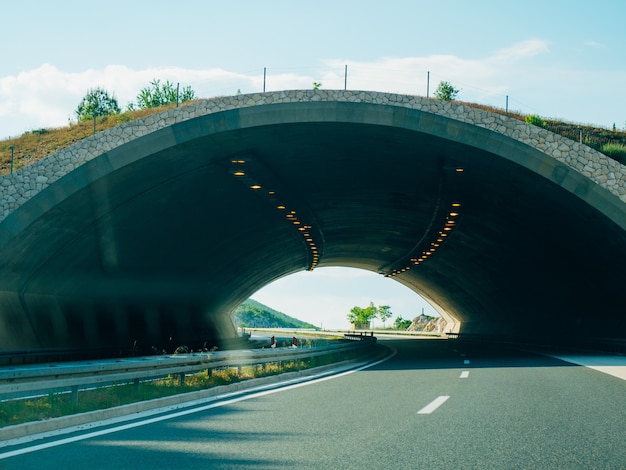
[464, 374]
[433, 405]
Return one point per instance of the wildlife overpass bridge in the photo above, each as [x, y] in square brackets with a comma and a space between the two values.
[155, 231]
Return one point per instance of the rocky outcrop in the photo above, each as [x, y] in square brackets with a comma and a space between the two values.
[427, 324]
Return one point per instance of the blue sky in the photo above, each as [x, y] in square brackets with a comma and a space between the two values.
[554, 58]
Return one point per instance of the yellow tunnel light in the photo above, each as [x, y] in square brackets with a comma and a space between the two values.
[447, 228]
[239, 173]
[255, 186]
[459, 170]
[454, 214]
[456, 204]
[280, 207]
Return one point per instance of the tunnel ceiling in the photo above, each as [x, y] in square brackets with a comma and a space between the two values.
[206, 222]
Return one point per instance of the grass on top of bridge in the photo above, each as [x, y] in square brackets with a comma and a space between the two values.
[39, 143]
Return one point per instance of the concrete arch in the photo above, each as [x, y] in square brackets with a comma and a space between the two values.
[154, 230]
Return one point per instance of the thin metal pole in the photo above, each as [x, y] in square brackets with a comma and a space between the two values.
[507, 105]
[177, 92]
[264, 77]
[428, 84]
[95, 116]
[345, 78]
[12, 155]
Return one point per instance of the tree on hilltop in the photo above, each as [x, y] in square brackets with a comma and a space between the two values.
[446, 92]
[158, 94]
[97, 102]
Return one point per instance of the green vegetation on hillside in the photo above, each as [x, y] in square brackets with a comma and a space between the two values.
[253, 314]
[39, 143]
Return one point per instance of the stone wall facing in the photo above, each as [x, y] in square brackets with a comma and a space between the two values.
[17, 188]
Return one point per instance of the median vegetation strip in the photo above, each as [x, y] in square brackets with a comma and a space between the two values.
[55, 405]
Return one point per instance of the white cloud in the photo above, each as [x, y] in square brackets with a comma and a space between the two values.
[48, 97]
[521, 50]
[595, 44]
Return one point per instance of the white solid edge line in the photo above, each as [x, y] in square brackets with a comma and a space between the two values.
[464, 374]
[433, 405]
[607, 364]
[209, 406]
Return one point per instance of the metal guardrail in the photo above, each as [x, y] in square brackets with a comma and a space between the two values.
[72, 376]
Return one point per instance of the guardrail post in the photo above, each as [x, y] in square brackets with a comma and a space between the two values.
[209, 372]
[136, 385]
[74, 398]
[239, 370]
[182, 379]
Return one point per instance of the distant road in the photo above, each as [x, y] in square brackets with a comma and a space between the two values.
[434, 405]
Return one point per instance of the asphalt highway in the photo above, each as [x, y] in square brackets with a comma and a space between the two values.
[434, 404]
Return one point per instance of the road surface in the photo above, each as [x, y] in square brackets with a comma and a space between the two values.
[435, 404]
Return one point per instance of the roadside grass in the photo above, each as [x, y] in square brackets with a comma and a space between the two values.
[55, 405]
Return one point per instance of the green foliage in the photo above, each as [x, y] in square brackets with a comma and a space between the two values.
[253, 314]
[362, 316]
[54, 405]
[615, 150]
[535, 120]
[40, 131]
[316, 85]
[401, 324]
[446, 92]
[384, 313]
[97, 102]
[158, 94]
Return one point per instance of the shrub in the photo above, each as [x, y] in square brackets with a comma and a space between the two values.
[535, 120]
[615, 150]
[446, 92]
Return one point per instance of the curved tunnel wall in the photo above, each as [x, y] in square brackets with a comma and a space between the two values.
[147, 230]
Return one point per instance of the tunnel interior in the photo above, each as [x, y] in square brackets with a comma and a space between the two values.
[164, 247]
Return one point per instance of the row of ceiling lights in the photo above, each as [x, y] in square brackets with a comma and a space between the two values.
[290, 215]
[450, 224]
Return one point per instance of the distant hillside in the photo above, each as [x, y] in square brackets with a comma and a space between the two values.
[253, 314]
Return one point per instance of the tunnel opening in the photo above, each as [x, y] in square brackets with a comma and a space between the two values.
[325, 296]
